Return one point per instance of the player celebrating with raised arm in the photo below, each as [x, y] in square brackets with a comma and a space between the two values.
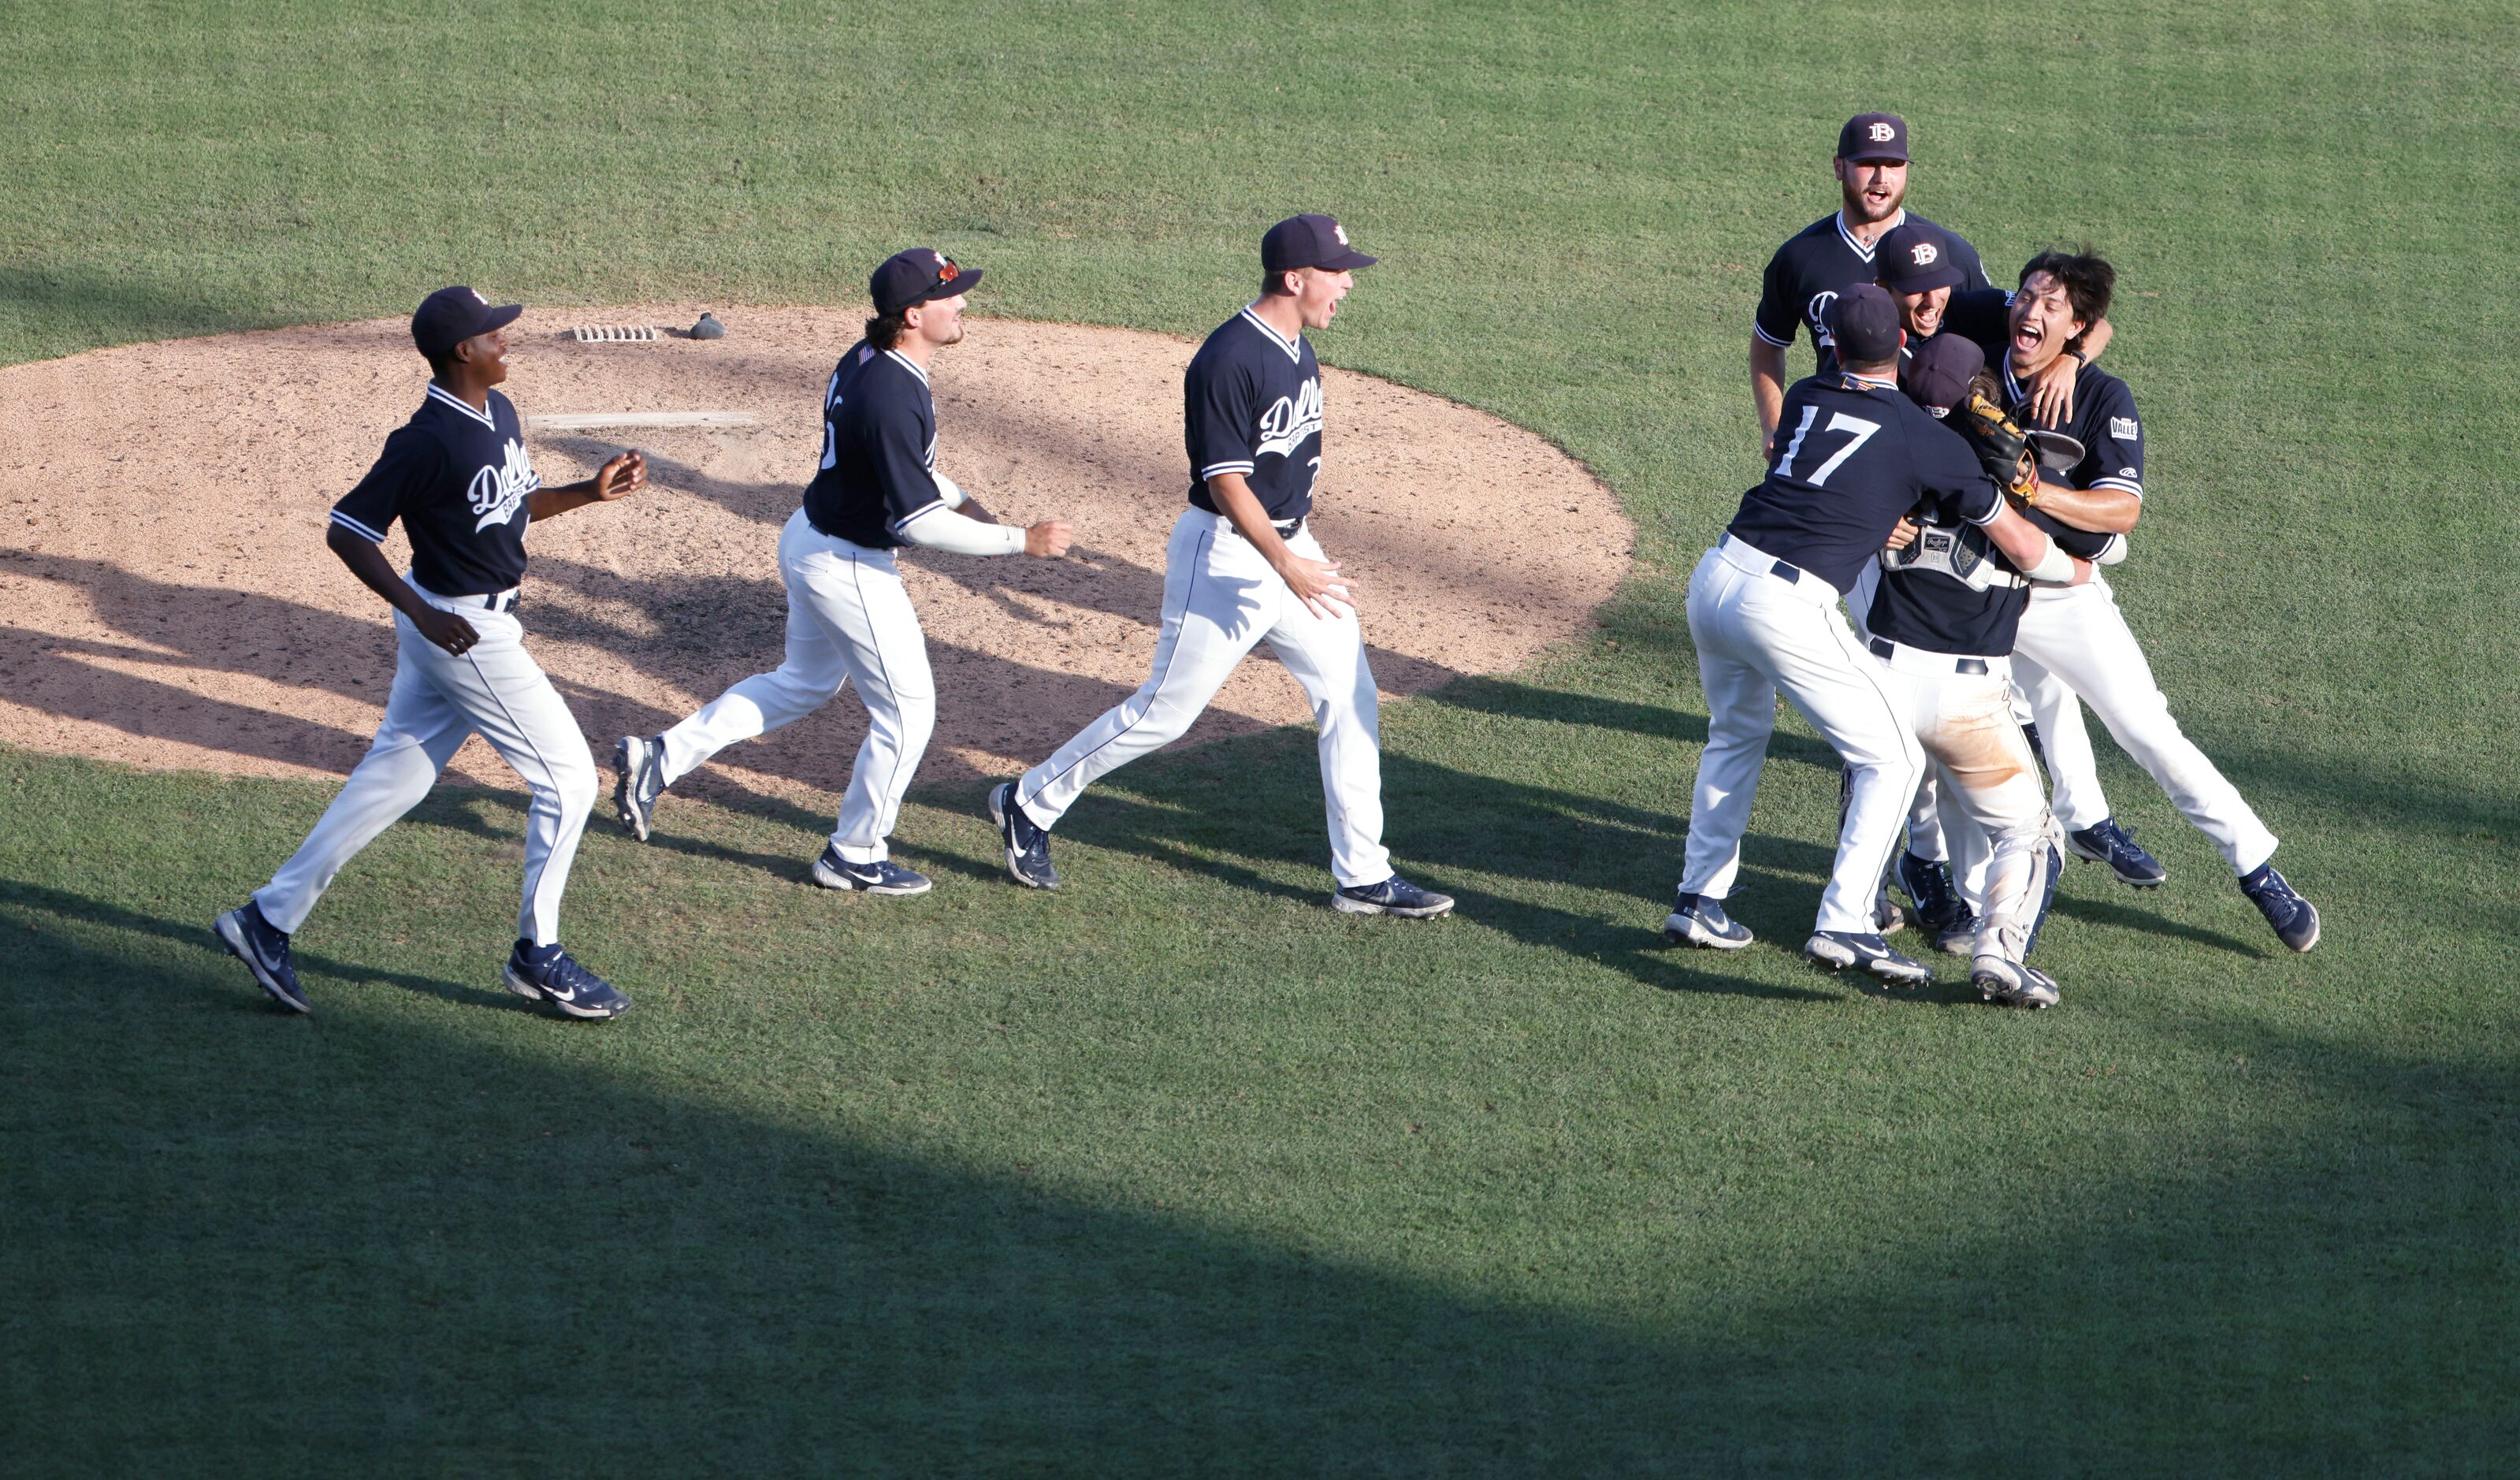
[848, 619]
[2077, 645]
[1244, 566]
[1834, 254]
[457, 476]
[1763, 614]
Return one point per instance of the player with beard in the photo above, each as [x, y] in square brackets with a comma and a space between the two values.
[2075, 644]
[1834, 254]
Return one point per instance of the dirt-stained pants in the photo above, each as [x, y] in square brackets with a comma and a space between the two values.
[1961, 709]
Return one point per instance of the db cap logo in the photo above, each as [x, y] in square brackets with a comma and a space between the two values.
[1339, 232]
[1883, 133]
[1925, 253]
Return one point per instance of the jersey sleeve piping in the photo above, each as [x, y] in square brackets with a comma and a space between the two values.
[930, 506]
[1764, 337]
[2122, 486]
[1213, 469]
[357, 528]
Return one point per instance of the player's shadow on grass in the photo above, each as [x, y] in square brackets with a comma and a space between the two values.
[1459, 828]
[2124, 917]
[383, 1202]
[62, 904]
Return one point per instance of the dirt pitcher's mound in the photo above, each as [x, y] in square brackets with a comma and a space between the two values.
[168, 600]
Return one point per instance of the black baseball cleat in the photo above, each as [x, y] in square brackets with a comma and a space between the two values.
[1928, 883]
[263, 947]
[1697, 920]
[1027, 846]
[882, 877]
[1838, 950]
[2105, 842]
[2295, 919]
[1393, 896]
[548, 974]
[640, 779]
[1960, 937]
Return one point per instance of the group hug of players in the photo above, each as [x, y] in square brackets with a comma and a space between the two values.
[1958, 469]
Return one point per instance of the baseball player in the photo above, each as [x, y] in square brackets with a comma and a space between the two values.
[1855, 456]
[1939, 612]
[2076, 644]
[1935, 294]
[1242, 567]
[848, 619]
[457, 476]
[1835, 252]
[1912, 263]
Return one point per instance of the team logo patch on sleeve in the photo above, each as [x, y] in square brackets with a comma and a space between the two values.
[2123, 429]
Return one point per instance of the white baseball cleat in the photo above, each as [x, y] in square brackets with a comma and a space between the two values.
[1838, 950]
[2014, 983]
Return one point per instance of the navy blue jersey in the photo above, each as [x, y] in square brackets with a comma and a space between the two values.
[1821, 261]
[879, 469]
[1985, 318]
[1854, 456]
[1251, 403]
[1982, 314]
[457, 479]
[2104, 423]
[1951, 590]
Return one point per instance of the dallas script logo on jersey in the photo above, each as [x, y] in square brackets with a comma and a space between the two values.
[497, 493]
[1816, 311]
[1285, 426]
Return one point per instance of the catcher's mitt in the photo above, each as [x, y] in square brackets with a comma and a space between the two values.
[2002, 448]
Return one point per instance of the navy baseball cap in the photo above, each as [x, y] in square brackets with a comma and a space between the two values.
[1873, 136]
[1939, 372]
[449, 316]
[1914, 258]
[1865, 324]
[913, 277]
[1301, 241]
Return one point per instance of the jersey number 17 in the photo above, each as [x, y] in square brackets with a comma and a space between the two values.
[1840, 422]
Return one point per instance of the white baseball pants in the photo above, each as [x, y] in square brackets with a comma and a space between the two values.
[1759, 635]
[1924, 812]
[438, 699]
[2075, 642]
[1987, 780]
[848, 621]
[1221, 599]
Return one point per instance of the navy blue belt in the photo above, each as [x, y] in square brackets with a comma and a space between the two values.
[1286, 531]
[1885, 650]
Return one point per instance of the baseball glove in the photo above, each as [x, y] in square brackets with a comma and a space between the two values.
[2002, 448]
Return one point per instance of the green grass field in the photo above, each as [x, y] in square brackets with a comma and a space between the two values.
[1177, 1172]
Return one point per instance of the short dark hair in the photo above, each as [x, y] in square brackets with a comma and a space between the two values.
[884, 331]
[2088, 279]
[1273, 284]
